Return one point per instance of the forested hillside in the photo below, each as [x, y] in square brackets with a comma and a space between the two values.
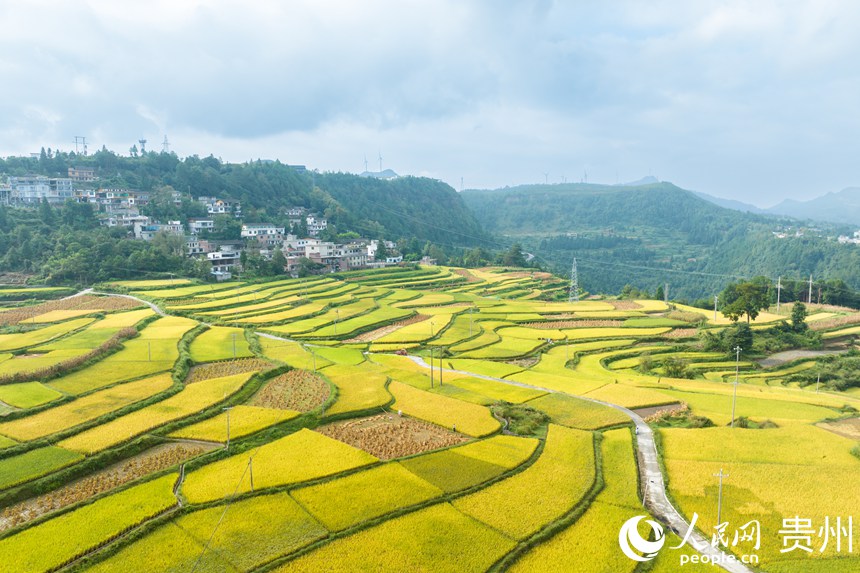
[655, 234]
[265, 188]
[62, 242]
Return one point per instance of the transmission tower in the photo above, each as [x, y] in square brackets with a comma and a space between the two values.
[165, 145]
[574, 284]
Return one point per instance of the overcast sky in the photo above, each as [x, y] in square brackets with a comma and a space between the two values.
[753, 100]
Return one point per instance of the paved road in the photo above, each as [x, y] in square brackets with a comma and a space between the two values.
[655, 498]
[789, 355]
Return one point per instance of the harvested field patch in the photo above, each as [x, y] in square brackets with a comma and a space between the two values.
[380, 332]
[150, 461]
[624, 304]
[388, 436]
[827, 323]
[84, 302]
[524, 362]
[227, 368]
[681, 333]
[295, 390]
[470, 278]
[850, 427]
[573, 324]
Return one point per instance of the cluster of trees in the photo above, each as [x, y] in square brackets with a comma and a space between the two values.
[66, 245]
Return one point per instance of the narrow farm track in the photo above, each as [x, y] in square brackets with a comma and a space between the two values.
[655, 498]
[151, 305]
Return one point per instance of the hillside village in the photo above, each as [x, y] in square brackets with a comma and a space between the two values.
[300, 247]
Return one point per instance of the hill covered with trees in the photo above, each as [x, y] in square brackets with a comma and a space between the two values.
[654, 234]
[66, 242]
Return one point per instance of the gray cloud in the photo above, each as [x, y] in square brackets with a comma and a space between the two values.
[748, 100]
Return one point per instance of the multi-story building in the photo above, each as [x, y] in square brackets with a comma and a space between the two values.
[82, 174]
[266, 235]
[315, 225]
[36, 188]
[196, 226]
[147, 231]
[216, 206]
[125, 220]
[333, 256]
[224, 256]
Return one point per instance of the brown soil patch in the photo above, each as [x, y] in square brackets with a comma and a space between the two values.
[372, 335]
[227, 368]
[524, 362]
[835, 322]
[681, 333]
[83, 302]
[153, 460]
[574, 324]
[849, 428]
[650, 411]
[295, 390]
[624, 304]
[522, 275]
[388, 436]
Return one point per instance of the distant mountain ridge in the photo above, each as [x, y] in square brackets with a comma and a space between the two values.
[841, 207]
[653, 234]
[732, 204]
[837, 207]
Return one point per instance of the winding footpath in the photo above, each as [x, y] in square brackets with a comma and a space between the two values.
[655, 499]
[151, 305]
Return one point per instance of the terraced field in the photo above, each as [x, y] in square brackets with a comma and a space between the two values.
[346, 454]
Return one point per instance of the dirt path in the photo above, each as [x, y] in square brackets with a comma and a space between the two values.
[151, 305]
[655, 498]
[789, 355]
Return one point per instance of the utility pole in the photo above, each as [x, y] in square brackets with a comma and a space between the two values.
[666, 294]
[471, 308]
[227, 444]
[716, 298]
[441, 354]
[314, 358]
[431, 329]
[810, 290]
[149, 345]
[737, 350]
[251, 471]
[720, 475]
[573, 296]
[817, 383]
[431, 367]
[336, 318]
[234, 345]
[778, 292]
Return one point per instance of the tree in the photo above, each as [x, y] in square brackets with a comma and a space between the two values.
[659, 294]
[746, 298]
[798, 317]
[279, 261]
[514, 256]
[381, 251]
[675, 367]
[741, 335]
[308, 267]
